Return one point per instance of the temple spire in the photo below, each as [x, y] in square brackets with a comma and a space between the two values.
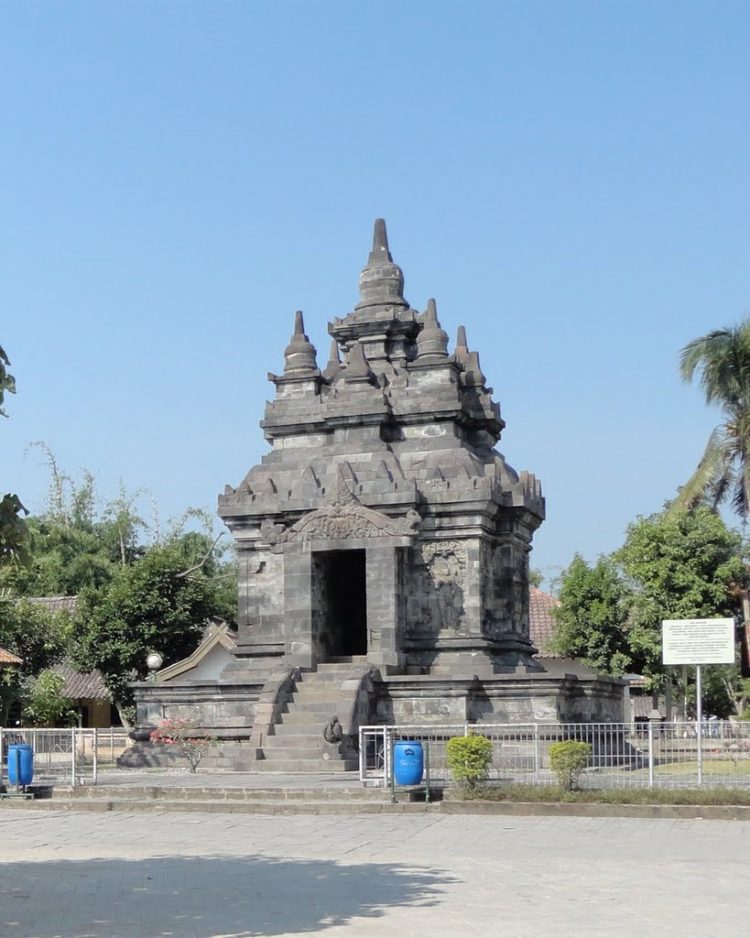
[381, 283]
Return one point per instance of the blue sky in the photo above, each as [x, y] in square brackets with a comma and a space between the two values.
[570, 180]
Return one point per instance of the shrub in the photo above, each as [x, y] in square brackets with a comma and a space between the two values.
[185, 736]
[469, 759]
[567, 760]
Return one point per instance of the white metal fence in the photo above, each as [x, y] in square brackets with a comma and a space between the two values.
[67, 756]
[624, 755]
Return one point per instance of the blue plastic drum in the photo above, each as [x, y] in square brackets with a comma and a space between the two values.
[20, 764]
[408, 762]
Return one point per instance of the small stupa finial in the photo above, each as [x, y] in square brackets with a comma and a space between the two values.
[473, 375]
[333, 356]
[357, 366]
[462, 348]
[380, 242]
[299, 355]
[333, 366]
[432, 341]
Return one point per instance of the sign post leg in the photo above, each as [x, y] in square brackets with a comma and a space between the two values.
[699, 718]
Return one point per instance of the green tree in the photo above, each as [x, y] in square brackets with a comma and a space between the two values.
[7, 381]
[683, 565]
[592, 616]
[36, 635]
[680, 565]
[722, 359]
[75, 543]
[159, 602]
[13, 534]
[133, 596]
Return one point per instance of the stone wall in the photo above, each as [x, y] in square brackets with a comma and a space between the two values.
[538, 698]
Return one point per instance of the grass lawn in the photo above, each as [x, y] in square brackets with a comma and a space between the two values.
[552, 793]
[711, 766]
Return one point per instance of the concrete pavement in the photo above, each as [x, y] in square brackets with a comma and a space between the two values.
[205, 876]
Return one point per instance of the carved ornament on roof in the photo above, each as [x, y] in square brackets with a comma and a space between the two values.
[344, 517]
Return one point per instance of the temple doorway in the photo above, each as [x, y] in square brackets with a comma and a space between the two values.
[342, 600]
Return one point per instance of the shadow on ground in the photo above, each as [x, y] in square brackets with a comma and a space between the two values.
[203, 897]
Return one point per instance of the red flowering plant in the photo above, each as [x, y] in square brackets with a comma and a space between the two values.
[185, 736]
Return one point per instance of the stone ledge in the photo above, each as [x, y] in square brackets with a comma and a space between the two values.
[353, 808]
[712, 812]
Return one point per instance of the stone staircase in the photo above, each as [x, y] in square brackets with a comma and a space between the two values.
[297, 744]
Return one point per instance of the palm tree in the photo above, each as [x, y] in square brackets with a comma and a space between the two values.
[722, 359]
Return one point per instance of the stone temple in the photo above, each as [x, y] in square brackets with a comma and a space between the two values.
[383, 546]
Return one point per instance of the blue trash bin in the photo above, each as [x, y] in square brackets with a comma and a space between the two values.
[20, 764]
[408, 762]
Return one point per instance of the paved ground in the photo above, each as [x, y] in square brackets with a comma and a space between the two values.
[205, 876]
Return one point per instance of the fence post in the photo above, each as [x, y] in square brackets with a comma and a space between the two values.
[73, 756]
[362, 753]
[392, 773]
[96, 756]
[536, 754]
[650, 754]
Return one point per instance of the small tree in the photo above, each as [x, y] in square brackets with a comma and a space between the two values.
[469, 759]
[592, 615]
[46, 705]
[567, 760]
[37, 636]
[186, 736]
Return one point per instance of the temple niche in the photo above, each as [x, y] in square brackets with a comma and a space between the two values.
[383, 542]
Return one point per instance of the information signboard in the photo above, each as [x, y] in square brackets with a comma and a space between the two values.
[698, 641]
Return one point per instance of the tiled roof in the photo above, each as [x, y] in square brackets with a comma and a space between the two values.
[7, 657]
[56, 603]
[541, 621]
[78, 685]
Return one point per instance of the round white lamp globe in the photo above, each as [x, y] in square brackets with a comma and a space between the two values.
[154, 661]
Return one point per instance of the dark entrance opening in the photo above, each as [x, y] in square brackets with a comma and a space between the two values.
[343, 602]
